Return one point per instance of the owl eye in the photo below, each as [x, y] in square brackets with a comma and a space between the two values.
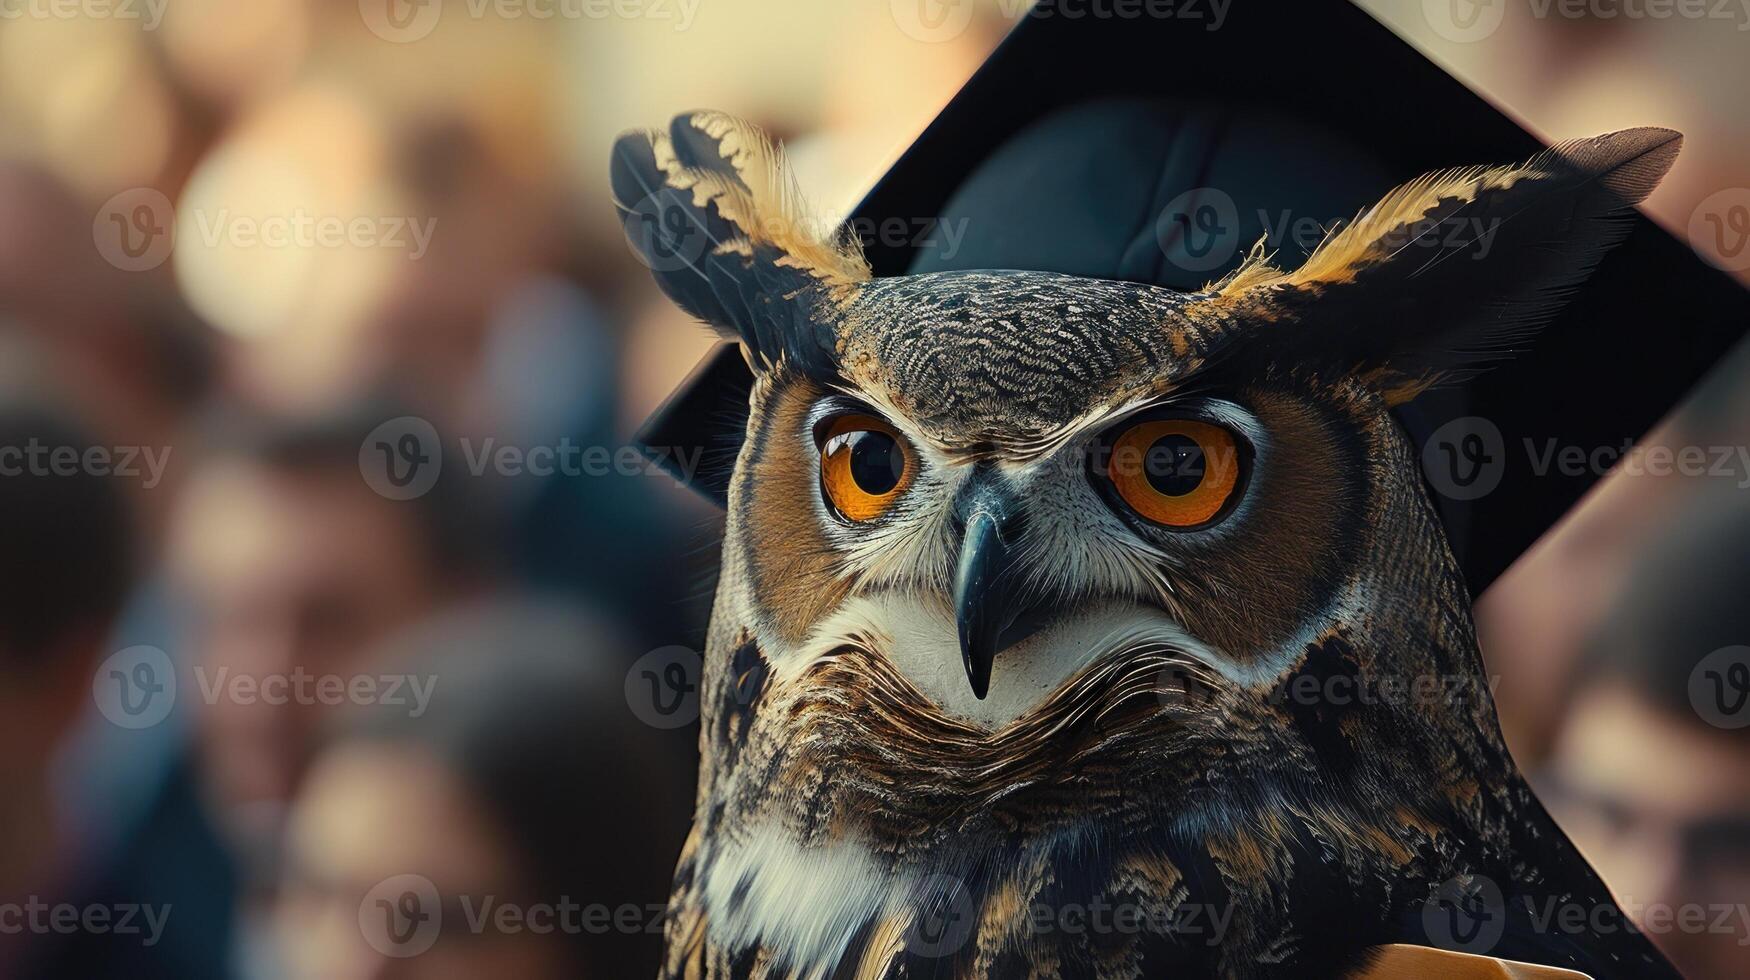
[865, 464]
[1178, 473]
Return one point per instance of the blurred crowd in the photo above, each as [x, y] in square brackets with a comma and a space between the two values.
[282, 695]
[292, 701]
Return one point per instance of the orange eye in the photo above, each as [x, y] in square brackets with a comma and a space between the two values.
[1178, 473]
[864, 466]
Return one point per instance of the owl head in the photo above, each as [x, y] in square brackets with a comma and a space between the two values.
[1018, 561]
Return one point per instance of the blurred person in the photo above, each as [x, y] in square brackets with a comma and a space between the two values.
[132, 352]
[491, 316]
[1533, 623]
[502, 317]
[69, 543]
[291, 569]
[525, 825]
[1650, 778]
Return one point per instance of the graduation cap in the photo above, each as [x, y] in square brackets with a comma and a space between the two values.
[1158, 149]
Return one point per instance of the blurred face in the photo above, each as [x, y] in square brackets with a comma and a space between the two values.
[293, 579]
[369, 817]
[1661, 806]
[38, 705]
[1532, 623]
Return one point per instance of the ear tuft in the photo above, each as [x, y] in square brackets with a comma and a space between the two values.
[713, 209]
[1454, 266]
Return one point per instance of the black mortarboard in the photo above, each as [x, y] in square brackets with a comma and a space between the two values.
[1158, 149]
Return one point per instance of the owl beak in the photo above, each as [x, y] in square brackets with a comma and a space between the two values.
[985, 595]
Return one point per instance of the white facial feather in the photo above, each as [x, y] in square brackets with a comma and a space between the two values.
[918, 637]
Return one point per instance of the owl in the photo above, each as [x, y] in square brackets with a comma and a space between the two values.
[1079, 628]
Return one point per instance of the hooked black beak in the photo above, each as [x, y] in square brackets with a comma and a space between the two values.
[987, 588]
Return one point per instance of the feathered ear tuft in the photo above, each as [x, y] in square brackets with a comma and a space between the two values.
[1455, 266]
[714, 211]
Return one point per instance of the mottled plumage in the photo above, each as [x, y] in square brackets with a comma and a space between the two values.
[1219, 721]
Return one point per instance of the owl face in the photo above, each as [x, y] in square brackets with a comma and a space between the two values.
[1014, 478]
[1054, 587]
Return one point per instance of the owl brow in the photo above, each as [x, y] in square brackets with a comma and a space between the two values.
[1101, 417]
